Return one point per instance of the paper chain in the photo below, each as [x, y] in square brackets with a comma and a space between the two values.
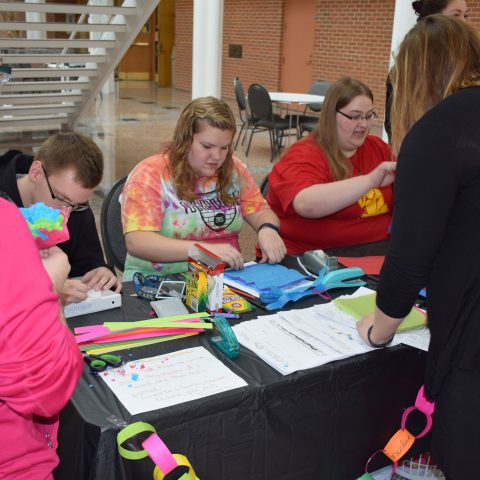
[167, 466]
[402, 440]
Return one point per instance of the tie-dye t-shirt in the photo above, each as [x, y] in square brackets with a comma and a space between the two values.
[150, 204]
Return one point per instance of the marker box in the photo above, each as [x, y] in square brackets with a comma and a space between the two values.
[204, 289]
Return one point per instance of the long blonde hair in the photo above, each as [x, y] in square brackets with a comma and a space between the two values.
[439, 56]
[198, 113]
[340, 94]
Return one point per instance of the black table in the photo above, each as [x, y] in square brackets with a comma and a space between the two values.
[320, 423]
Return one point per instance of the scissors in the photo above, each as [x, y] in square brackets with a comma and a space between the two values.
[99, 363]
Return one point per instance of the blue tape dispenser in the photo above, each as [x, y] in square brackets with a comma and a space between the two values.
[276, 298]
[223, 337]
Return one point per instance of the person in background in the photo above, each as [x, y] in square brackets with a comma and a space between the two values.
[195, 191]
[40, 362]
[423, 8]
[334, 187]
[63, 174]
[436, 227]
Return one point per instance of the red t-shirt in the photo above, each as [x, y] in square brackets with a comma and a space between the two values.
[304, 165]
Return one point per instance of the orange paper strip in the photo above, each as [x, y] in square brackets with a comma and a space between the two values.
[399, 445]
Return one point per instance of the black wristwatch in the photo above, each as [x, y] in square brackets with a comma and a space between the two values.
[377, 345]
[269, 225]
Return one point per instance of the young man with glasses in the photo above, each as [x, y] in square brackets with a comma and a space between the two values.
[64, 174]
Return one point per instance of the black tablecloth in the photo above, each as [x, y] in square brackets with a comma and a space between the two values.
[321, 423]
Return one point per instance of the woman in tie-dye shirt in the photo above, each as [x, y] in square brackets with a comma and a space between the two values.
[196, 191]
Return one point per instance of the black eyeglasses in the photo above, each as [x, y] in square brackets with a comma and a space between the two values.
[358, 118]
[75, 207]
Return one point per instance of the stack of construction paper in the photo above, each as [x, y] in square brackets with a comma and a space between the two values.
[112, 336]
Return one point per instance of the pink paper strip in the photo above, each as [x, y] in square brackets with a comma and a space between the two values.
[160, 333]
[159, 453]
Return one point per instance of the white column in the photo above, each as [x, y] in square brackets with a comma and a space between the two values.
[35, 17]
[207, 48]
[109, 84]
[403, 20]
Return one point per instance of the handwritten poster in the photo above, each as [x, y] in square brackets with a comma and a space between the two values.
[158, 382]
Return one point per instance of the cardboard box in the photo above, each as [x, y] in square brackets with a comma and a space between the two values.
[204, 288]
[95, 302]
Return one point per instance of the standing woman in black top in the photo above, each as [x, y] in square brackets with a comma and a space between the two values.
[435, 235]
[423, 8]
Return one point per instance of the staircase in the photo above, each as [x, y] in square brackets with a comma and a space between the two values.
[54, 80]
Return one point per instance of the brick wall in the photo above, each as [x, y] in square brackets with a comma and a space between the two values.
[254, 24]
[257, 26]
[183, 44]
[352, 37]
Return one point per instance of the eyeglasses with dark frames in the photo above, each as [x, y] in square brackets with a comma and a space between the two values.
[76, 207]
[370, 117]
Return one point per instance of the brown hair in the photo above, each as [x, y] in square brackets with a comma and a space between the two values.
[70, 149]
[198, 113]
[424, 8]
[439, 56]
[340, 94]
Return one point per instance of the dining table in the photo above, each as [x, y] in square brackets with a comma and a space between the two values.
[322, 422]
[291, 98]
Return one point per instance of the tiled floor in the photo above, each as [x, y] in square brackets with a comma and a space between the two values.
[140, 119]
[133, 124]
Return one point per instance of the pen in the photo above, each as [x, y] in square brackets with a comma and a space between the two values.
[226, 315]
[240, 292]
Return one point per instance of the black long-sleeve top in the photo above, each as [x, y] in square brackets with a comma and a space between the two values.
[83, 249]
[436, 233]
[388, 107]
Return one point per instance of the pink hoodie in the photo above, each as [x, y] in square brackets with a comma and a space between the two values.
[39, 361]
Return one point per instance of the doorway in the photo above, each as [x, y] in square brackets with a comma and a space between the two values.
[298, 45]
[166, 41]
[138, 63]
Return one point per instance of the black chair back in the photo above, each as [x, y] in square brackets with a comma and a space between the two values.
[264, 186]
[239, 94]
[318, 87]
[113, 239]
[260, 102]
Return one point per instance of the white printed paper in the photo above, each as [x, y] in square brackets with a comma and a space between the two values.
[418, 338]
[305, 338]
[170, 379]
[301, 339]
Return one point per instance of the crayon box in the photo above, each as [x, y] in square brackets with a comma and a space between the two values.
[204, 288]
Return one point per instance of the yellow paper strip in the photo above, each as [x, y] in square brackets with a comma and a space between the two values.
[101, 350]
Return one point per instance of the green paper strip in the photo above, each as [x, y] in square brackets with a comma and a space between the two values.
[127, 345]
[364, 305]
[128, 432]
[116, 326]
[159, 322]
[139, 341]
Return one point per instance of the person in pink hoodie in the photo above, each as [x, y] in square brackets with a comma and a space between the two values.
[40, 363]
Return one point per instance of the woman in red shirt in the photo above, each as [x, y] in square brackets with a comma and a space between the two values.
[334, 187]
